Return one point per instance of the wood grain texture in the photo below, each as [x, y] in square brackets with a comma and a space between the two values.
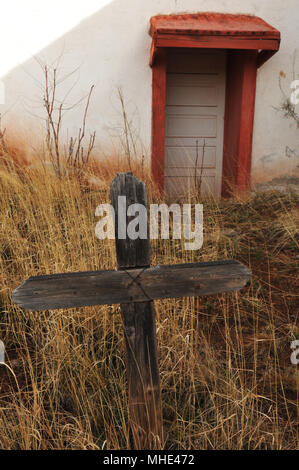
[130, 253]
[136, 285]
[139, 320]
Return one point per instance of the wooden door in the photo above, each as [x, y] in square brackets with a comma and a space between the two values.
[195, 106]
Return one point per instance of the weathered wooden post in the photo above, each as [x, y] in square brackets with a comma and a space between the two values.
[139, 324]
[134, 286]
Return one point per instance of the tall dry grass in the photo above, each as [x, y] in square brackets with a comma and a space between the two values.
[227, 379]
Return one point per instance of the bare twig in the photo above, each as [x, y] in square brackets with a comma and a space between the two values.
[202, 164]
[74, 153]
[198, 182]
[79, 154]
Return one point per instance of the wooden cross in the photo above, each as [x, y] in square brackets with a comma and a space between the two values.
[135, 285]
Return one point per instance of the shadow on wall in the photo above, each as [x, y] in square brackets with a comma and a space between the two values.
[103, 50]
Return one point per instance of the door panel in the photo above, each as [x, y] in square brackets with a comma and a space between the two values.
[190, 157]
[206, 90]
[182, 186]
[195, 122]
[188, 125]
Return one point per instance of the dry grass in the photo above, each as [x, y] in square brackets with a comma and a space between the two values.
[227, 379]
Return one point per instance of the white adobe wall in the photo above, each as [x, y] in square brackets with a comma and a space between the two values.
[107, 42]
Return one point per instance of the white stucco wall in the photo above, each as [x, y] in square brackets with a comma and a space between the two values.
[108, 44]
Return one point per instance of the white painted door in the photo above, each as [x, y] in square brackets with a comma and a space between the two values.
[195, 107]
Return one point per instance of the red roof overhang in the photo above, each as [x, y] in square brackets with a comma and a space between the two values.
[214, 30]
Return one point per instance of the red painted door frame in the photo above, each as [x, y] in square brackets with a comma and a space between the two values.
[238, 121]
[249, 42]
[158, 117]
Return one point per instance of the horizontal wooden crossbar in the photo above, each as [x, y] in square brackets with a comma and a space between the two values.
[135, 285]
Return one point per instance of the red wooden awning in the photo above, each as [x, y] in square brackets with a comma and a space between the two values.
[214, 30]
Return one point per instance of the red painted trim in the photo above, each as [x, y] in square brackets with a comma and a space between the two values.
[239, 119]
[214, 30]
[216, 42]
[214, 24]
[153, 52]
[263, 56]
[158, 117]
[249, 75]
[231, 123]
